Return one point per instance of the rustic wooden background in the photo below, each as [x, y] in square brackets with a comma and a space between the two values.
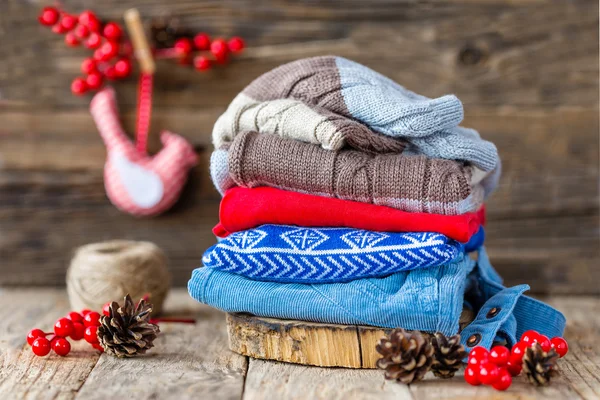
[526, 70]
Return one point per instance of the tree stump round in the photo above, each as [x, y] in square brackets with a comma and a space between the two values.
[309, 343]
[301, 342]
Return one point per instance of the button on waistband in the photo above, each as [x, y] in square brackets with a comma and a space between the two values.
[493, 312]
[474, 340]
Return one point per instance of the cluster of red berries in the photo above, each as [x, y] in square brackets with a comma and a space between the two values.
[208, 52]
[497, 366]
[112, 54]
[111, 58]
[77, 326]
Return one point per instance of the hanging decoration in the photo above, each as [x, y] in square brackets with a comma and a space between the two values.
[135, 181]
[112, 52]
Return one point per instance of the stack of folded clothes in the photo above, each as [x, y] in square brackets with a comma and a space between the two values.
[348, 199]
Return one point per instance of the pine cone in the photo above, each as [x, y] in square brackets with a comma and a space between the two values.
[538, 365]
[126, 332]
[447, 356]
[407, 356]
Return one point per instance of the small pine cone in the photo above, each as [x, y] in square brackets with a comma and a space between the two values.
[126, 332]
[407, 356]
[448, 355]
[538, 365]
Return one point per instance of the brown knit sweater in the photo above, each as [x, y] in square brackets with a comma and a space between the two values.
[409, 183]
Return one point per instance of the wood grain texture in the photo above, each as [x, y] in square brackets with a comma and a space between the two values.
[300, 342]
[310, 343]
[526, 71]
[192, 361]
[24, 375]
[187, 362]
[520, 53]
[268, 379]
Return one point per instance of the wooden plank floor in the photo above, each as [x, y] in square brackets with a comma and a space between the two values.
[192, 361]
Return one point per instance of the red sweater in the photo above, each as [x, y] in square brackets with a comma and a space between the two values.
[243, 208]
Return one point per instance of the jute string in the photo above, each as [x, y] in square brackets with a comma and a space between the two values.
[107, 271]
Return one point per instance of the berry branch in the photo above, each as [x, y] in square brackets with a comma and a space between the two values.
[112, 52]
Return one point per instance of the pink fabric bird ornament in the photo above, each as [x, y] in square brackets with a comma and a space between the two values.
[136, 182]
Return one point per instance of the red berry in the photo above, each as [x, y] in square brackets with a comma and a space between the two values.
[499, 355]
[472, 376]
[94, 81]
[503, 381]
[93, 41]
[110, 73]
[91, 319]
[529, 336]
[58, 28]
[75, 317]
[34, 334]
[236, 44]
[219, 48]
[122, 70]
[109, 50]
[78, 87]
[478, 355]
[98, 347]
[543, 341]
[183, 46]
[91, 334]
[82, 31]
[106, 309]
[71, 39]
[85, 311]
[488, 373]
[479, 352]
[202, 41]
[517, 352]
[64, 326]
[41, 346]
[68, 22]
[98, 55]
[514, 368]
[112, 31]
[78, 331]
[560, 345]
[90, 20]
[201, 63]
[49, 16]
[88, 66]
[61, 346]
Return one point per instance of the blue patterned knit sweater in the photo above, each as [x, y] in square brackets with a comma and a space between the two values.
[281, 253]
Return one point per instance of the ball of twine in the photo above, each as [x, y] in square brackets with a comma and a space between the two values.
[107, 271]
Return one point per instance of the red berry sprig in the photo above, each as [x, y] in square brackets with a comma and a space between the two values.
[497, 366]
[111, 54]
[75, 325]
[201, 51]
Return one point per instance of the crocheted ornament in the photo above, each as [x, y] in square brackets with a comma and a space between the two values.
[448, 355]
[407, 356]
[538, 365]
[126, 331]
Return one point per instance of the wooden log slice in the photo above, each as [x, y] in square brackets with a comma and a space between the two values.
[309, 343]
[301, 342]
